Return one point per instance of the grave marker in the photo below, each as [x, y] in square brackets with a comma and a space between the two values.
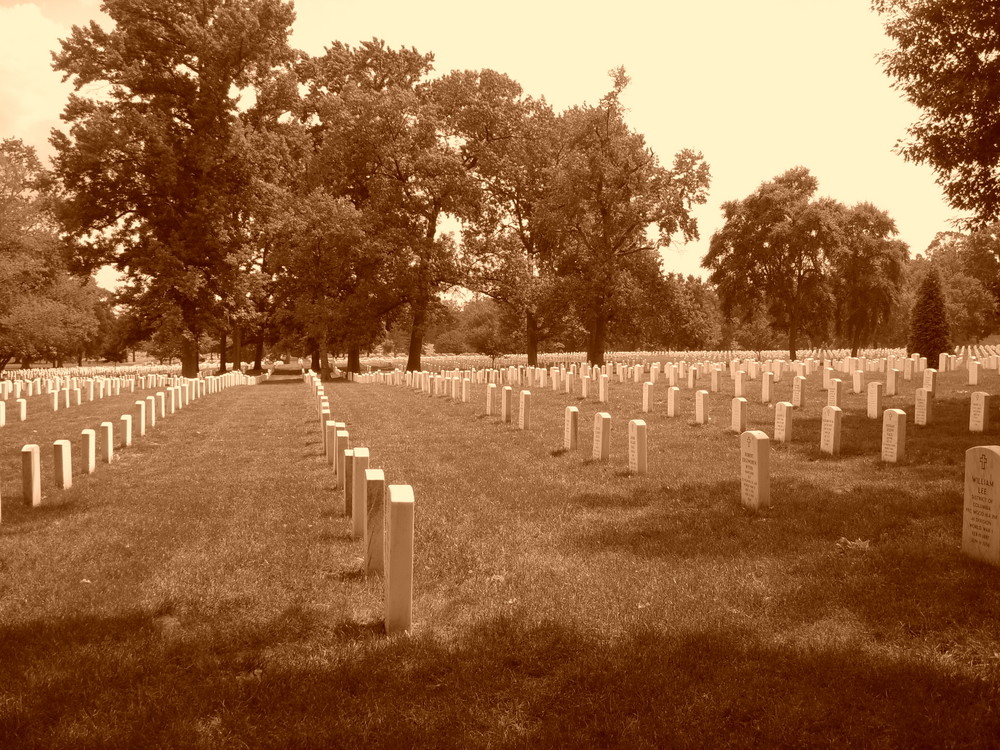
[62, 455]
[893, 435]
[673, 393]
[398, 559]
[570, 430]
[375, 502]
[738, 423]
[701, 407]
[524, 415]
[126, 420]
[647, 391]
[602, 436]
[981, 511]
[31, 475]
[783, 422]
[829, 441]
[637, 463]
[798, 391]
[979, 412]
[88, 448]
[923, 412]
[506, 399]
[834, 392]
[875, 400]
[358, 511]
[755, 480]
[107, 442]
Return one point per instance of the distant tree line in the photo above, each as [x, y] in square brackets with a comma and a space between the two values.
[256, 196]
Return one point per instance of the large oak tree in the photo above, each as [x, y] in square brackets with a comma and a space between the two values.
[155, 163]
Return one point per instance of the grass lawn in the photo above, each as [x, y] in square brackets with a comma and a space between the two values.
[204, 591]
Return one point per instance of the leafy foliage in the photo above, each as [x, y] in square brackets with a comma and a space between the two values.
[947, 63]
[929, 332]
[156, 169]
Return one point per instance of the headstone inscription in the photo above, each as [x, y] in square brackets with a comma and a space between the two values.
[893, 435]
[755, 482]
[602, 436]
[979, 412]
[923, 412]
[829, 441]
[981, 511]
[637, 463]
[783, 422]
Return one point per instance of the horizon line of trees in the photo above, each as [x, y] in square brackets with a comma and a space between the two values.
[252, 193]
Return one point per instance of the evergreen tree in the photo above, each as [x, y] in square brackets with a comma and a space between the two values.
[929, 333]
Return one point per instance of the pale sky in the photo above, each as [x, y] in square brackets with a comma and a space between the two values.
[758, 86]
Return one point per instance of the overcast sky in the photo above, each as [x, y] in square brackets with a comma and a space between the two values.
[758, 86]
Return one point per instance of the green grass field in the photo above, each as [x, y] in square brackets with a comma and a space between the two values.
[204, 591]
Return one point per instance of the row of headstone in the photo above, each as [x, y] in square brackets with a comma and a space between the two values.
[381, 515]
[148, 409]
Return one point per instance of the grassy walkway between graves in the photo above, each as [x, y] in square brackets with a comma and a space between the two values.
[203, 591]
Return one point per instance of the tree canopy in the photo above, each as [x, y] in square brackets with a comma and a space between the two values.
[947, 63]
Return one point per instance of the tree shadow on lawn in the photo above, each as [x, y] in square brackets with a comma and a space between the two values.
[707, 519]
[507, 681]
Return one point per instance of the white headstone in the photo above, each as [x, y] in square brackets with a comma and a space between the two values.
[739, 415]
[755, 480]
[398, 559]
[701, 407]
[979, 412]
[62, 454]
[981, 512]
[875, 400]
[923, 412]
[798, 391]
[31, 475]
[829, 441]
[524, 414]
[375, 501]
[673, 396]
[783, 422]
[358, 511]
[893, 435]
[602, 436]
[637, 446]
[571, 428]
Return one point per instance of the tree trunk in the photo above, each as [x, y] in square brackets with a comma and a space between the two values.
[793, 337]
[258, 353]
[596, 341]
[222, 352]
[324, 363]
[189, 357]
[354, 358]
[237, 348]
[417, 330]
[313, 356]
[531, 337]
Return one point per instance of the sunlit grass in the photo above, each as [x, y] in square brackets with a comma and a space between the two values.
[204, 590]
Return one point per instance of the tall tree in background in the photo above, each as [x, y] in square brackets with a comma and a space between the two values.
[155, 167]
[947, 63]
[774, 250]
[929, 331]
[513, 144]
[380, 142]
[867, 273]
[619, 207]
[45, 313]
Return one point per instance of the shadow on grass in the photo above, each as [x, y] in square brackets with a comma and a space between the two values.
[507, 681]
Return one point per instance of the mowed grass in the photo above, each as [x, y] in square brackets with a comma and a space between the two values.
[204, 591]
